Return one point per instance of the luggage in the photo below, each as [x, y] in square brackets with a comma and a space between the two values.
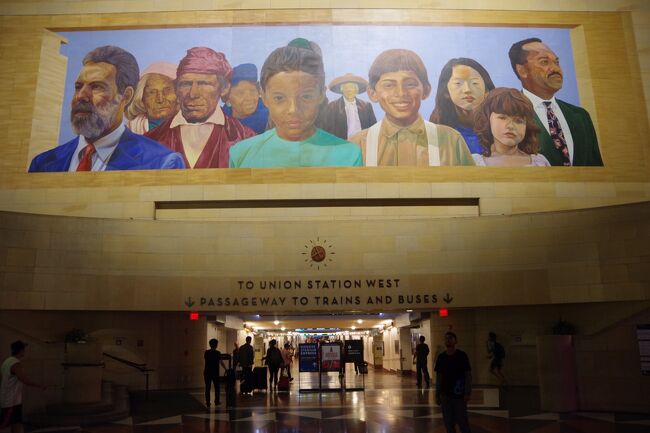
[363, 367]
[283, 383]
[260, 378]
[231, 392]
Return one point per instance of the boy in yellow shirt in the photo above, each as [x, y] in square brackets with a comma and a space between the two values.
[399, 83]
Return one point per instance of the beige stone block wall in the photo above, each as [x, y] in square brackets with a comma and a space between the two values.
[171, 344]
[61, 263]
[606, 337]
[604, 387]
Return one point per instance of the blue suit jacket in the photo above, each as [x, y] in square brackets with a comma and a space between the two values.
[133, 152]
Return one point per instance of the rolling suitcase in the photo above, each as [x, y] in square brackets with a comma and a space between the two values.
[231, 391]
[260, 378]
[283, 383]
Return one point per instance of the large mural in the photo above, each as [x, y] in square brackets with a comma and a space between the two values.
[320, 96]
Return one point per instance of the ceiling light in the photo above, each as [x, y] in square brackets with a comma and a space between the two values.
[276, 322]
[283, 328]
[354, 327]
[359, 321]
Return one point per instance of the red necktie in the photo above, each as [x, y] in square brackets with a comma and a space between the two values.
[86, 161]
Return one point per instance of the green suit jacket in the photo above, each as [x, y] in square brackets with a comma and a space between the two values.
[585, 142]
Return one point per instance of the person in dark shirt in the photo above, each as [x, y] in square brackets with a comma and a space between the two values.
[246, 357]
[453, 385]
[420, 360]
[273, 360]
[212, 359]
[496, 353]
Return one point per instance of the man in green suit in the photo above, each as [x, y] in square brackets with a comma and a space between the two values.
[567, 136]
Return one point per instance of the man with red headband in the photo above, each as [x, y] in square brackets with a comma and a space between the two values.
[200, 131]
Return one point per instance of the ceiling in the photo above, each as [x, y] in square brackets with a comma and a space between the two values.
[343, 322]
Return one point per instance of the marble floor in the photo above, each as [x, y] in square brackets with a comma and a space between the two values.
[390, 403]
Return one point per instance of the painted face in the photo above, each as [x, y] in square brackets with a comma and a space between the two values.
[159, 97]
[541, 74]
[466, 87]
[243, 98]
[507, 130]
[199, 95]
[293, 100]
[97, 107]
[350, 90]
[400, 95]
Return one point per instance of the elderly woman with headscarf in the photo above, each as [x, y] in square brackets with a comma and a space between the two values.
[154, 99]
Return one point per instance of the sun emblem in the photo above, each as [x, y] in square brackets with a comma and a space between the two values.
[318, 253]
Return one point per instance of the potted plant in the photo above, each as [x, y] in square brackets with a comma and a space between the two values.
[563, 327]
[76, 336]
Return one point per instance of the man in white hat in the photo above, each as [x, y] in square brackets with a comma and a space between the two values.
[348, 115]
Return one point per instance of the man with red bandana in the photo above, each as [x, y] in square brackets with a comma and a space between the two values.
[200, 131]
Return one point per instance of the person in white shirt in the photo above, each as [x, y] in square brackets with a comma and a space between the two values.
[567, 136]
[11, 389]
[347, 115]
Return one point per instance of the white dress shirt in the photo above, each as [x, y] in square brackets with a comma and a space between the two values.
[195, 135]
[352, 115]
[540, 110]
[104, 148]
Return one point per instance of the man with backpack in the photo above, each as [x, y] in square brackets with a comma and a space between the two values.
[420, 360]
[497, 353]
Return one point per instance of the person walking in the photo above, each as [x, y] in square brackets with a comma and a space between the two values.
[235, 356]
[453, 385]
[212, 359]
[420, 360]
[496, 353]
[246, 358]
[287, 359]
[273, 360]
[11, 389]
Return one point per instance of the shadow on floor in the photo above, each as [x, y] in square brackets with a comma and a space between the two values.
[162, 404]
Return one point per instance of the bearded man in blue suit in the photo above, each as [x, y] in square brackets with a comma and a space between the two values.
[103, 89]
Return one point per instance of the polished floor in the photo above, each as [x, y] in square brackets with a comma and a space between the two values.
[389, 403]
